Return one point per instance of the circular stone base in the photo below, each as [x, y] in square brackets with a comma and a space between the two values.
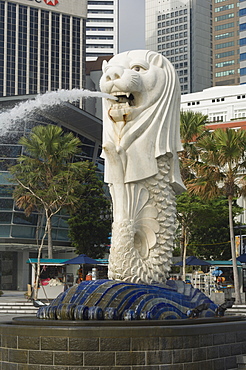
[32, 344]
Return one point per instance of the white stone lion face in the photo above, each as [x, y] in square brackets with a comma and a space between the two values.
[136, 83]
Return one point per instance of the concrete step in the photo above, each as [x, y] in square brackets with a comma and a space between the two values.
[17, 308]
[237, 310]
[16, 304]
[14, 308]
[19, 312]
[241, 362]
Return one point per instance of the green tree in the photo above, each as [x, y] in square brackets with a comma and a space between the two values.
[222, 157]
[192, 127]
[90, 225]
[46, 177]
[206, 225]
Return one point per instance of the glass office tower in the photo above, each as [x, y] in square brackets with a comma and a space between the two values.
[226, 43]
[42, 48]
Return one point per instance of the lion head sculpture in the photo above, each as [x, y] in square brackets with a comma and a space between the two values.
[143, 123]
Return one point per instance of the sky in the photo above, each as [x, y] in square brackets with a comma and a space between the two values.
[131, 25]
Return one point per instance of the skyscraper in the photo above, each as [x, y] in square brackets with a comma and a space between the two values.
[242, 41]
[42, 45]
[182, 31]
[102, 28]
[225, 43]
[42, 48]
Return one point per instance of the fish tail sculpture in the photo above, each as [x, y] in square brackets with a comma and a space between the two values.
[141, 245]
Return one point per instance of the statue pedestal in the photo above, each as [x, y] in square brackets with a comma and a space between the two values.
[51, 344]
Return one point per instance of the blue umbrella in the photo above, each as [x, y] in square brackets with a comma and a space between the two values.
[193, 261]
[82, 259]
[242, 258]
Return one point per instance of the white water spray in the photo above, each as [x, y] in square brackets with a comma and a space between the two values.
[41, 102]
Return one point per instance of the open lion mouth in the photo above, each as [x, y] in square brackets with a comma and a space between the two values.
[124, 98]
[120, 110]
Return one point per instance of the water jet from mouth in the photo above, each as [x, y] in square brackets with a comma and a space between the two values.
[44, 101]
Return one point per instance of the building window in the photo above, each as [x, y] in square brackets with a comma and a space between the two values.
[225, 73]
[11, 51]
[99, 46]
[224, 7]
[227, 44]
[91, 2]
[101, 20]
[101, 11]
[242, 27]
[224, 26]
[224, 64]
[99, 29]
[223, 17]
[242, 57]
[242, 12]
[242, 71]
[225, 54]
[22, 48]
[224, 35]
[242, 42]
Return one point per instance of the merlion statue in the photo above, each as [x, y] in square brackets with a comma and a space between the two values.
[141, 139]
[140, 145]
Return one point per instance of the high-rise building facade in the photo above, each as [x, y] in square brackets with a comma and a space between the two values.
[242, 41]
[226, 62]
[42, 45]
[181, 30]
[102, 28]
[42, 48]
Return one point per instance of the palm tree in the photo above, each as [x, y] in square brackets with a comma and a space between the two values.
[222, 157]
[192, 127]
[45, 174]
[47, 178]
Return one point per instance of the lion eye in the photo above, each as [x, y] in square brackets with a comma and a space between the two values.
[138, 68]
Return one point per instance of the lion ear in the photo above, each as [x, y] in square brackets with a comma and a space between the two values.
[157, 60]
[104, 65]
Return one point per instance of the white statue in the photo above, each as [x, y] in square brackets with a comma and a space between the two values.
[141, 140]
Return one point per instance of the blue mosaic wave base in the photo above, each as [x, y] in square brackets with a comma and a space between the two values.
[117, 300]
